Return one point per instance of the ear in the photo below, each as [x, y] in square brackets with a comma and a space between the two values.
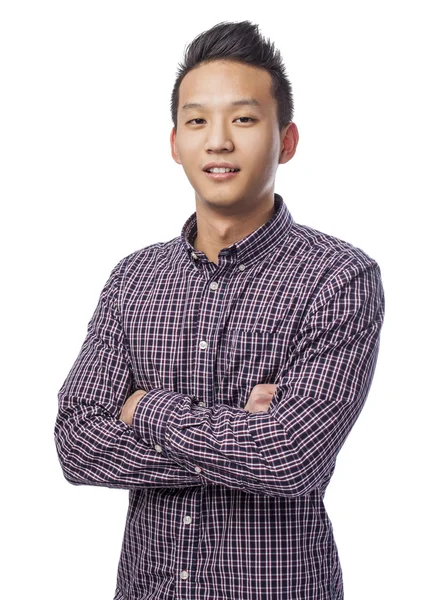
[174, 150]
[289, 140]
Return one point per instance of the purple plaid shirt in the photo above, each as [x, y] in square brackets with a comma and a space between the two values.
[225, 504]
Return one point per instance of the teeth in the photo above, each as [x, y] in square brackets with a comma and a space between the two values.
[221, 170]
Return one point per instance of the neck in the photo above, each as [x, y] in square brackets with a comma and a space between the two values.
[217, 230]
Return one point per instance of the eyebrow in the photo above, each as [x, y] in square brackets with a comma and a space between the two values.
[242, 102]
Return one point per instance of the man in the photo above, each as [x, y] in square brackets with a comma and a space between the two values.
[224, 369]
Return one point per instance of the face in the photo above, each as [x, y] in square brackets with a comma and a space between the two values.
[235, 123]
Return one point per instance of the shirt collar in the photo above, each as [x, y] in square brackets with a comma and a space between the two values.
[254, 246]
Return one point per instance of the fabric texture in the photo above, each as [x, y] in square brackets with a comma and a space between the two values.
[223, 503]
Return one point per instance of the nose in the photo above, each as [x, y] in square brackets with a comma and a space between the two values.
[218, 138]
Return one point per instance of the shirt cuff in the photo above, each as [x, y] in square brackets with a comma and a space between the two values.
[151, 416]
[159, 412]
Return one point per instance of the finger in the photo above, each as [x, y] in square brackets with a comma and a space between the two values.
[264, 397]
[271, 387]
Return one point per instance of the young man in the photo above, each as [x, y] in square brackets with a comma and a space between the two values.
[224, 369]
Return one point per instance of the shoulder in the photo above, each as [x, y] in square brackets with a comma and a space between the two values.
[140, 265]
[325, 249]
[333, 264]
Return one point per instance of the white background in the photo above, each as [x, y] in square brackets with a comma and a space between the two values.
[87, 178]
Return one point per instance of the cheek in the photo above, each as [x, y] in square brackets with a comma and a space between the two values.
[263, 153]
[188, 149]
[264, 141]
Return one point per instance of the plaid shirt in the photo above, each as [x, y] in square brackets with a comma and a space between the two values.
[223, 503]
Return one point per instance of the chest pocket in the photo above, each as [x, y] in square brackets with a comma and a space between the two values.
[246, 359]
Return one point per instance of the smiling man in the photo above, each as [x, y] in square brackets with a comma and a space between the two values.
[230, 144]
[224, 369]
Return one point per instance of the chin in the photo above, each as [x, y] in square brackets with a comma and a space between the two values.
[219, 198]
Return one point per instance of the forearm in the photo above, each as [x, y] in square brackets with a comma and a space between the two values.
[254, 452]
[96, 448]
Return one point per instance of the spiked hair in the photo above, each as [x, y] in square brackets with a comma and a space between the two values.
[240, 42]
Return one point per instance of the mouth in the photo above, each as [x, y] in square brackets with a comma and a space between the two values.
[221, 173]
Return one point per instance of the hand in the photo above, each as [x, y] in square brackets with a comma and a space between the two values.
[129, 407]
[260, 397]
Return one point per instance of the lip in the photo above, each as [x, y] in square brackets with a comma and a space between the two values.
[225, 165]
[220, 176]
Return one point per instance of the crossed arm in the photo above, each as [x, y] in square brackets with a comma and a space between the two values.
[283, 449]
[259, 400]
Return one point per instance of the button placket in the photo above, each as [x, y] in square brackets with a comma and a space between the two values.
[208, 317]
[187, 540]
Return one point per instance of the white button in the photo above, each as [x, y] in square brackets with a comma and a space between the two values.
[158, 448]
[197, 469]
[214, 285]
[187, 519]
[194, 255]
[241, 267]
[184, 575]
[201, 403]
[203, 345]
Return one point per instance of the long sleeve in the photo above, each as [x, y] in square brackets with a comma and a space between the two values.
[94, 447]
[290, 449]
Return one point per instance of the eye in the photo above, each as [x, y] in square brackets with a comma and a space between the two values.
[195, 121]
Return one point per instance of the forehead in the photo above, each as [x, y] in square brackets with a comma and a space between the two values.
[219, 83]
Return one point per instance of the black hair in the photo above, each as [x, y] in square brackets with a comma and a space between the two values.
[240, 42]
